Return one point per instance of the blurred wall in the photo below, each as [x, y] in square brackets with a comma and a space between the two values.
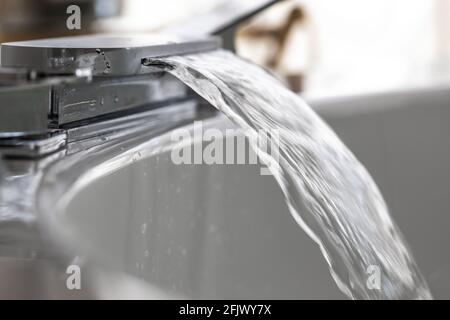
[351, 46]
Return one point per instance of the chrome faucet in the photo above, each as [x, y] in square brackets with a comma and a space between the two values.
[56, 91]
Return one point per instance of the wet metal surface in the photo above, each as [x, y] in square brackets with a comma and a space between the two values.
[105, 55]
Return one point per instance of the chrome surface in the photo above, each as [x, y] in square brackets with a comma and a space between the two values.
[104, 55]
[70, 82]
[216, 231]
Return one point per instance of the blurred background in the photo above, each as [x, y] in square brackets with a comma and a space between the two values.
[318, 47]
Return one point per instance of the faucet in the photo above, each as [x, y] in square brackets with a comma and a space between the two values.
[60, 90]
[64, 98]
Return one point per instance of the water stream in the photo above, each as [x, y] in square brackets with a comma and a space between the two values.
[329, 192]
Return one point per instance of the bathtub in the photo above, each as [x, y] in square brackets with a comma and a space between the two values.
[140, 226]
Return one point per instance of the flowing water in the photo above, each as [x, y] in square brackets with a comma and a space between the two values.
[329, 193]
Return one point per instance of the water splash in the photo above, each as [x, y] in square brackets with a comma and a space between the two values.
[329, 193]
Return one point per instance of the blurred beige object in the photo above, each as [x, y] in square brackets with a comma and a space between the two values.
[275, 33]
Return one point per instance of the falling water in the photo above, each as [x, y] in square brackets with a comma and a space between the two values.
[329, 192]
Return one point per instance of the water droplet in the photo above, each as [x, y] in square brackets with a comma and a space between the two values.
[143, 228]
[212, 229]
